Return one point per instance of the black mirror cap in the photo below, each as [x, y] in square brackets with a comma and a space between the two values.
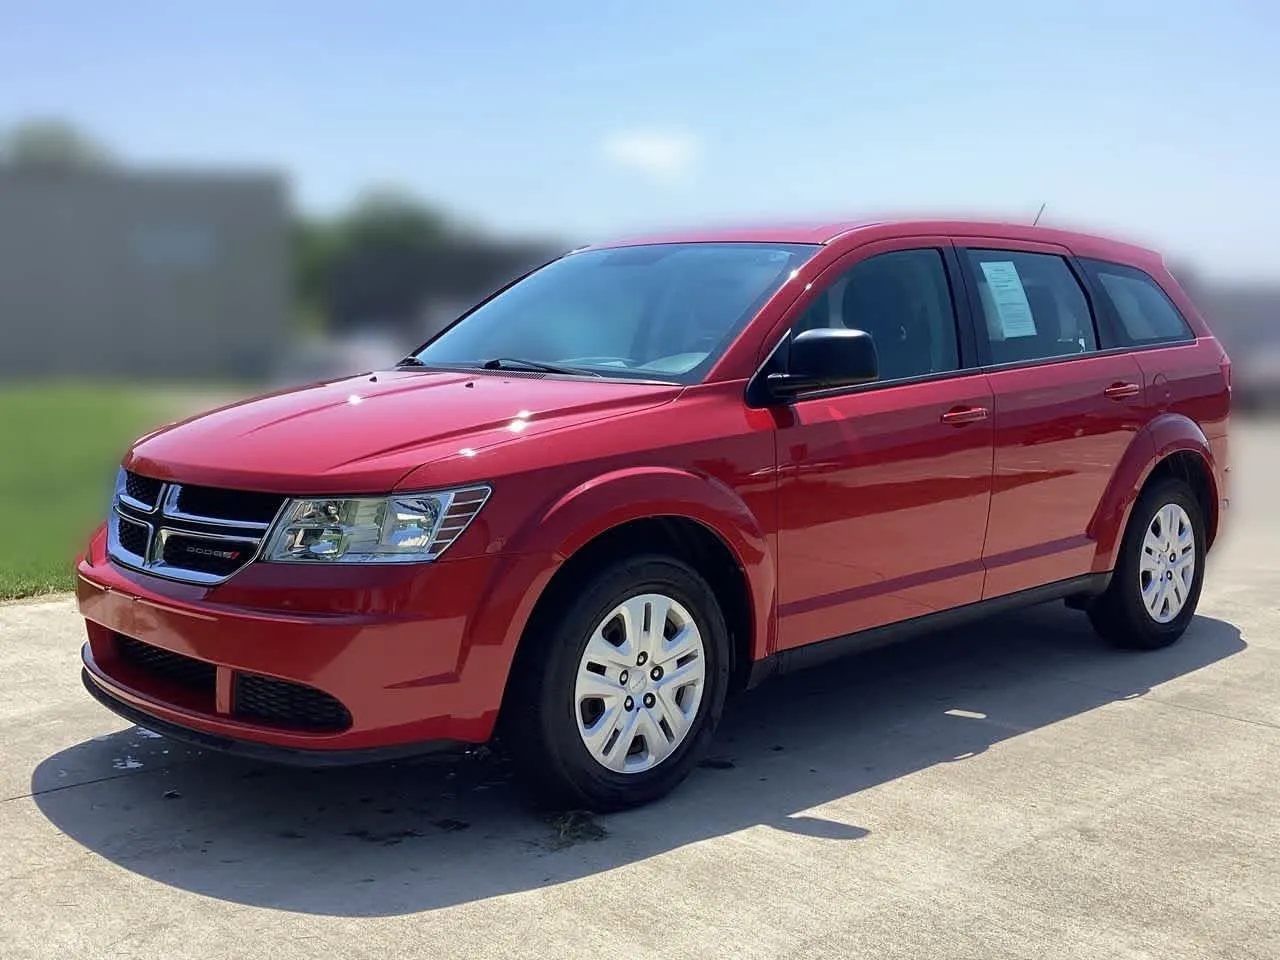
[824, 359]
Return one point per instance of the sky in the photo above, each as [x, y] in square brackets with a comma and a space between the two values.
[1153, 121]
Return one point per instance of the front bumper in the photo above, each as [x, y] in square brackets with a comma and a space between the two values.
[250, 749]
[416, 657]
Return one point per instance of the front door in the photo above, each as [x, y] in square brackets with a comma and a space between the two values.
[884, 488]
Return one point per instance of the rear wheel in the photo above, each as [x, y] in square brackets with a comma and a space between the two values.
[1159, 572]
[620, 687]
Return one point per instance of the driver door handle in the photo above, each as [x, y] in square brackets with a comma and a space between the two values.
[1122, 391]
[958, 416]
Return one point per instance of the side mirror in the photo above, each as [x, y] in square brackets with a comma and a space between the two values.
[825, 358]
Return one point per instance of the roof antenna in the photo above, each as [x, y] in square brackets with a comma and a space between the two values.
[1037, 219]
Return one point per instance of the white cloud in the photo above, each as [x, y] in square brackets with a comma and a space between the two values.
[662, 156]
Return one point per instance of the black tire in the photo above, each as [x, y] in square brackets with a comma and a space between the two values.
[539, 728]
[1119, 615]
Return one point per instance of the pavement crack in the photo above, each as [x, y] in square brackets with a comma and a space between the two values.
[1212, 713]
[89, 783]
[1149, 696]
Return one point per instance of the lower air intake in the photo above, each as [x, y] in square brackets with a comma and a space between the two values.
[175, 668]
[285, 704]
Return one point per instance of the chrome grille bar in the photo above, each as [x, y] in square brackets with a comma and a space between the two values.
[173, 512]
[187, 547]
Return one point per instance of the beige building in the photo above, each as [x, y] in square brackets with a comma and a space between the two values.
[148, 274]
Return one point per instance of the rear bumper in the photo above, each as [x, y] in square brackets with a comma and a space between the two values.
[1220, 447]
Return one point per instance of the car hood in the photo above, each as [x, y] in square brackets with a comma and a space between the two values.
[363, 434]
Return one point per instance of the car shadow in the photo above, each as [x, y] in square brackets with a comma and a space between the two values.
[409, 837]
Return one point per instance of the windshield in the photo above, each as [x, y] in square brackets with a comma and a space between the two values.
[654, 312]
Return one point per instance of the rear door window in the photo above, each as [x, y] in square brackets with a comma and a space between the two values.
[1143, 311]
[1032, 306]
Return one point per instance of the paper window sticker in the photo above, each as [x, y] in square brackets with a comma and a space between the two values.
[1010, 299]
[994, 331]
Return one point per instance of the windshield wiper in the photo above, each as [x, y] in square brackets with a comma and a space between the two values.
[517, 363]
[506, 363]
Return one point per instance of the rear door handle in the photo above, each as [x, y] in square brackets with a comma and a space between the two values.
[962, 415]
[1121, 391]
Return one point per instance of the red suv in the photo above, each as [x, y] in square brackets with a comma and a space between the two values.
[652, 473]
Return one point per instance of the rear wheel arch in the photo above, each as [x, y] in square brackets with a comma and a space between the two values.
[1170, 445]
[1191, 467]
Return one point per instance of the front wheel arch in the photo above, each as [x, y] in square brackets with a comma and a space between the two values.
[680, 537]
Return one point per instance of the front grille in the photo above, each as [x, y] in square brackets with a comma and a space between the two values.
[166, 665]
[287, 704]
[132, 535]
[195, 534]
[243, 506]
[143, 489]
[216, 557]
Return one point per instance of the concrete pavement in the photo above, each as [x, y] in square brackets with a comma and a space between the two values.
[1014, 789]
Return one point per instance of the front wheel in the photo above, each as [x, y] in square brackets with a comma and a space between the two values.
[621, 685]
[1159, 571]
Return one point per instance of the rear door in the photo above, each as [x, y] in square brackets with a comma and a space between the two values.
[883, 488]
[1064, 411]
[1181, 373]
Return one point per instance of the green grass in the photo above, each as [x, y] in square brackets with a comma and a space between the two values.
[60, 445]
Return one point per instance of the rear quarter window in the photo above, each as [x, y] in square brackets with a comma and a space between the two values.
[1142, 311]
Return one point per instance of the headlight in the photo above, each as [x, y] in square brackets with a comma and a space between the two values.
[403, 528]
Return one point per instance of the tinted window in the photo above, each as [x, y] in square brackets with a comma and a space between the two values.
[904, 301]
[653, 311]
[1145, 312]
[1032, 305]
